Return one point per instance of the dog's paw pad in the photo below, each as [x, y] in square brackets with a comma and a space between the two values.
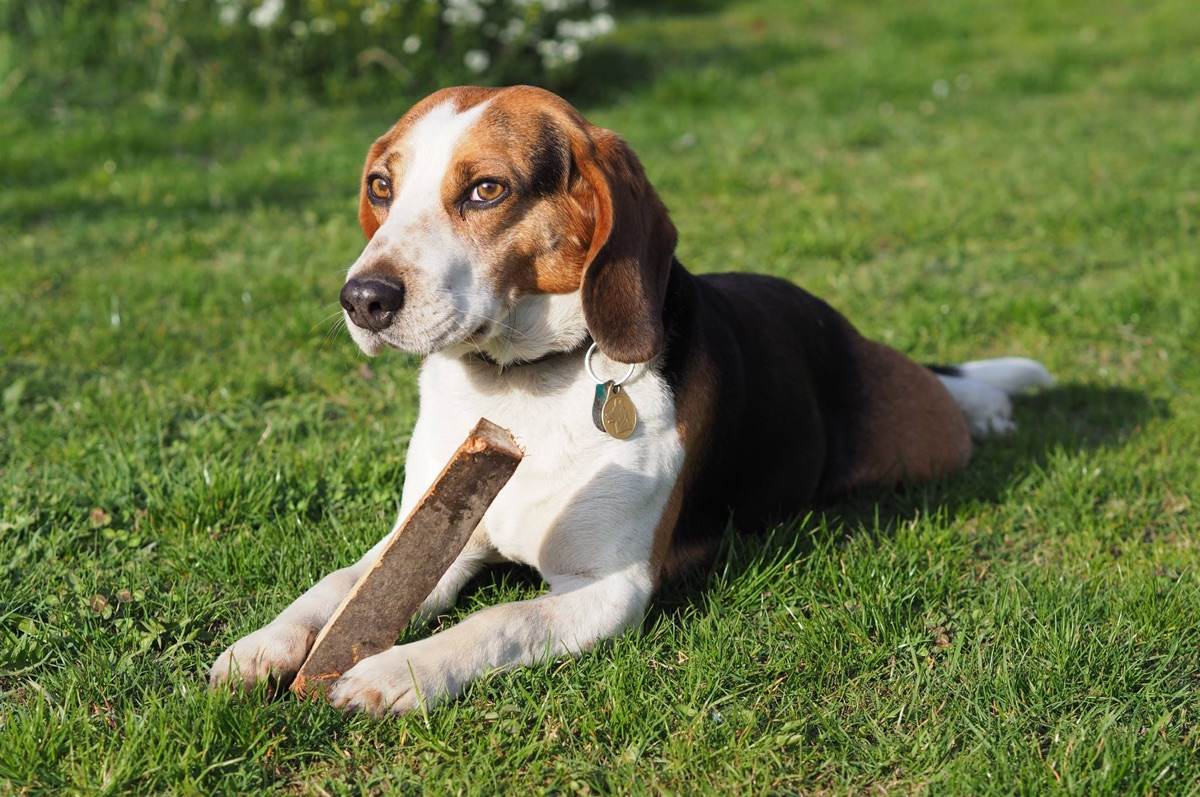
[999, 426]
[272, 652]
[393, 682]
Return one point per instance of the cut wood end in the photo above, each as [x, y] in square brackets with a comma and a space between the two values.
[487, 435]
[306, 686]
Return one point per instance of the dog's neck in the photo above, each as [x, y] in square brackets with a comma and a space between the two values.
[536, 328]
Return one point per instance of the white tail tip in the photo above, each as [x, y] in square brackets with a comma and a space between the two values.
[1013, 375]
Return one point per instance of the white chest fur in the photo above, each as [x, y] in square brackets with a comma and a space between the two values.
[582, 502]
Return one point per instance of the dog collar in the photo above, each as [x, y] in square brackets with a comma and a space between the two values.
[484, 357]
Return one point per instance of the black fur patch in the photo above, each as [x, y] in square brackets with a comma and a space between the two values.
[550, 157]
[788, 399]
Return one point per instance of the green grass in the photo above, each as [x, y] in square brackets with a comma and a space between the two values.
[181, 437]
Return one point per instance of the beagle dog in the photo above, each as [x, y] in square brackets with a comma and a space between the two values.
[523, 253]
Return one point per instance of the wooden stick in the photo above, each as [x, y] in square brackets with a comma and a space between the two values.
[383, 600]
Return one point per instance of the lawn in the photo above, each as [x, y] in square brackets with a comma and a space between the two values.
[187, 442]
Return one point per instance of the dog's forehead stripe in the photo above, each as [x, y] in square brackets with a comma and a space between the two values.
[430, 146]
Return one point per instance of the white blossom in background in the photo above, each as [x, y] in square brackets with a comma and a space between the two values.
[573, 29]
[497, 36]
[463, 12]
[374, 13]
[585, 29]
[556, 54]
[603, 24]
[265, 15]
[512, 30]
[477, 60]
[229, 13]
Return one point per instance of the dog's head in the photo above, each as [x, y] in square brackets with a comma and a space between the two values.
[480, 199]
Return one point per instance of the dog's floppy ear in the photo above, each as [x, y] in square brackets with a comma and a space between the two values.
[632, 247]
[366, 214]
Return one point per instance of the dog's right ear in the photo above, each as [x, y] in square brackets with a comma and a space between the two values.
[366, 211]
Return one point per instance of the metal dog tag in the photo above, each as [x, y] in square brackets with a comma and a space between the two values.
[620, 416]
[613, 411]
[602, 391]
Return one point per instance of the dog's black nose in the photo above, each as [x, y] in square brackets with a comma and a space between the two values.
[372, 302]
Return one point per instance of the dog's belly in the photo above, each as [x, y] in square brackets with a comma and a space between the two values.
[581, 502]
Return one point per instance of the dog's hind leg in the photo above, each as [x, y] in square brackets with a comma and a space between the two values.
[908, 428]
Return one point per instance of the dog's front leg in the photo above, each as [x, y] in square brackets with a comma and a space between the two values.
[279, 648]
[578, 612]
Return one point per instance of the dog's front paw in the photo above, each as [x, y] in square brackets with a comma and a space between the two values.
[395, 681]
[274, 651]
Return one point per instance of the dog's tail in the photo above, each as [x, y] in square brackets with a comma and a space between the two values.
[981, 389]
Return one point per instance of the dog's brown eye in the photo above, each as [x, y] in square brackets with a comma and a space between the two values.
[379, 188]
[487, 191]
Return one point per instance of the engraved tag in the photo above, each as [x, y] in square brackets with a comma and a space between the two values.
[602, 391]
[618, 414]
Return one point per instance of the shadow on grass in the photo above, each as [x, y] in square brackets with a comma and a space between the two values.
[1069, 418]
[608, 74]
[610, 71]
[1073, 417]
[674, 8]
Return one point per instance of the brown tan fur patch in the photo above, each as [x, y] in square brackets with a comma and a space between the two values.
[911, 430]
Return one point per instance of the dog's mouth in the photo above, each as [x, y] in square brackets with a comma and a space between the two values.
[446, 336]
[481, 334]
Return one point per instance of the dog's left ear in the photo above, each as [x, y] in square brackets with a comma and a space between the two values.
[632, 247]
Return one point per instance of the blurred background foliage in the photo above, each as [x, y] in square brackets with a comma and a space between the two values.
[99, 51]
